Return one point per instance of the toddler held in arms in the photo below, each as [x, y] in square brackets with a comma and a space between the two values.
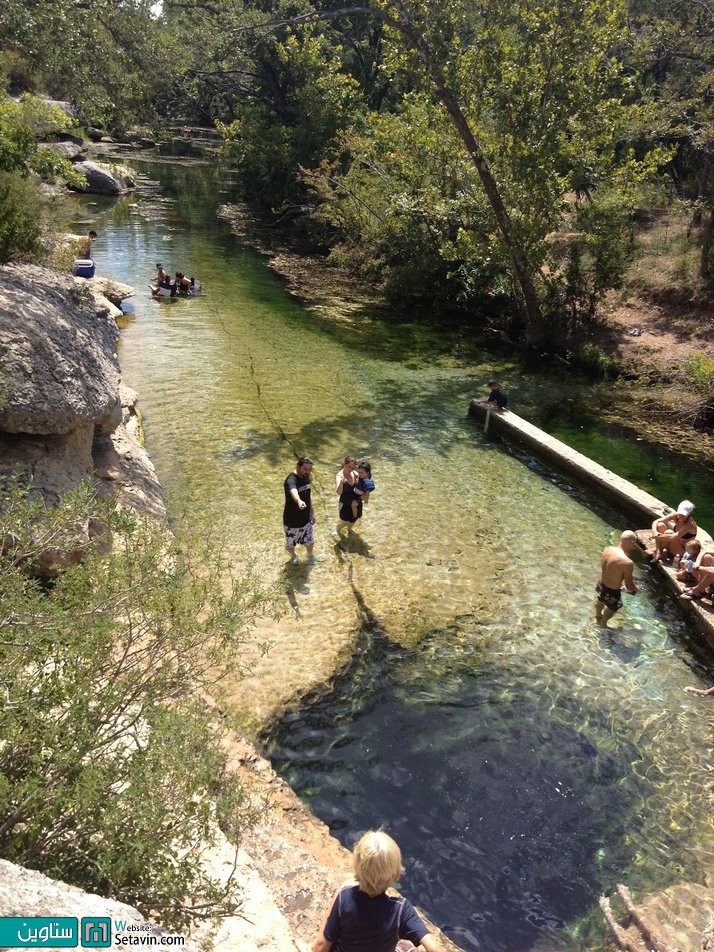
[363, 488]
[363, 918]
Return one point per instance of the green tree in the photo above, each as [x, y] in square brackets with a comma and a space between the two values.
[22, 165]
[673, 57]
[117, 62]
[112, 776]
[538, 99]
[300, 102]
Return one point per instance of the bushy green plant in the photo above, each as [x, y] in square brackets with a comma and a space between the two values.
[701, 369]
[305, 102]
[111, 774]
[595, 361]
[22, 165]
[20, 217]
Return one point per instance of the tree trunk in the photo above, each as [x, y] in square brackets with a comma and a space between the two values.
[535, 326]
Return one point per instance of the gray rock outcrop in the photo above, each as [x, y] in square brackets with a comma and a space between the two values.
[106, 179]
[58, 356]
[25, 893]
[67, 150]
[61, 413]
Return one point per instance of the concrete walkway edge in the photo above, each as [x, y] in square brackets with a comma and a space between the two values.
[625, 496]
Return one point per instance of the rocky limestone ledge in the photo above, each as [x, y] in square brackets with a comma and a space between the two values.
[25, 893]
[63, 413]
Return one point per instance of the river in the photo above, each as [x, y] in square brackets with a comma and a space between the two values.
[525, 760]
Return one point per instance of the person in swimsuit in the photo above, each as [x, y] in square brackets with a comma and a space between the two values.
[182, 283]
[616, 567]
[86, 249]
[345, 481]
[673, 531]
[363, 918]
[363, 488]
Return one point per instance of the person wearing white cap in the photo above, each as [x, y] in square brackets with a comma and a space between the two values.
[672, 532]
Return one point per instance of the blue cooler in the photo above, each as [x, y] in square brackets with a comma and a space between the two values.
[83, 268]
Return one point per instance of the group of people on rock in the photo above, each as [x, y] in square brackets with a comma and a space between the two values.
[675, 538]
[180, 284]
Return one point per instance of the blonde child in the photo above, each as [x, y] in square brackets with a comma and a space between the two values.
[363, 918]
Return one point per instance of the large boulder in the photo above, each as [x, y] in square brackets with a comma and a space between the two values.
[58, 359]
[64, 415]
[106, 179]
[25, 893]
[67, 150]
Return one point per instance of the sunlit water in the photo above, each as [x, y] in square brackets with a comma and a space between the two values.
[525, 760]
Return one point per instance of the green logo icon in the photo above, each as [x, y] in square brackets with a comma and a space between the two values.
[95, 933]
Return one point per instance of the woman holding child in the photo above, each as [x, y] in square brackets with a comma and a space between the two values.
[353, 484]
[672, 532]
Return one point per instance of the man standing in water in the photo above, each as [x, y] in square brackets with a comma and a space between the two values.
[298, 514]
[616, 568]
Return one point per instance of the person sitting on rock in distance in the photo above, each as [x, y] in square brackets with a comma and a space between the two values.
[86, 245]
[672, 532]
[363, 918]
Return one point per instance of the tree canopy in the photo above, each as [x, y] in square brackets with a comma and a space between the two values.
[486, 157]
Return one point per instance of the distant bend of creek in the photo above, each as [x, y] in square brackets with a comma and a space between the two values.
[525, 760]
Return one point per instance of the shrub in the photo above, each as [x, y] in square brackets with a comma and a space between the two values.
[701, 369]
[20, 216]
[111, 774]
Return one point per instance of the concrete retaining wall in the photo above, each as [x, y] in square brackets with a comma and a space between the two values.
[633, 502]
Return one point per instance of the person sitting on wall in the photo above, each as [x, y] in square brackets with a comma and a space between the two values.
[672, 532]
[497, 399]
[705, 577]
[688, 562]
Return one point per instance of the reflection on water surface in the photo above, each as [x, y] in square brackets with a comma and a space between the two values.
[524, 760]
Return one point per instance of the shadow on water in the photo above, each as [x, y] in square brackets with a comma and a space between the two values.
[506, 802]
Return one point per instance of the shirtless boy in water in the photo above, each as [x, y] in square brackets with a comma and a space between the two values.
[616, 568]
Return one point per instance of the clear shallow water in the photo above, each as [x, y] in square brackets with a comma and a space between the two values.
[524, 760]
